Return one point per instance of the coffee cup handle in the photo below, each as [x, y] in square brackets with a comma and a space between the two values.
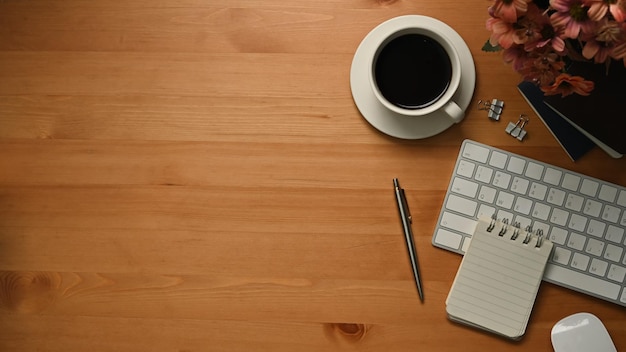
[453, 110]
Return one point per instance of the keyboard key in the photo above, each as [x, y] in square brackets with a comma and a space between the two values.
[607, 193]
[476, 152]
[556, 196]
[538, 191]
[448, 239]
[559, 217]
[465, 168]
[574, 202]
[498, 159]
[584, 282]
[596, 228]
[613, 253]
[541, 211]
[577, 223]
[483, 174]
[589, 188]
[611, 213]
[617, 273]
[623, 221]
[561, 255]
[523, 205]
[519, 185]
[570, 182]
[505, 200]
[614, 234]
[576, 241]
[558, 235]
[516, 165]
[580, 261]
[485, 210]
[552, 176]
[592, 208]
[461, 205]
[487, 194]
[598, 267]
[458, 223]
[594, 247]
[501, 180]
[464, 187]
[534, 171]
[621, 201]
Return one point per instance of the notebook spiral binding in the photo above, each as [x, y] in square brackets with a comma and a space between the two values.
[528, 232]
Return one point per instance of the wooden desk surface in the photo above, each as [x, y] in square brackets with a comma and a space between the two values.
[194, 176]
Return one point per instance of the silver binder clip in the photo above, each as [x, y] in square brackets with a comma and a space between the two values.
[516, 130]
[494, 107]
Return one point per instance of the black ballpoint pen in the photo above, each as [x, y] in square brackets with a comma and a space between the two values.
[405, 218]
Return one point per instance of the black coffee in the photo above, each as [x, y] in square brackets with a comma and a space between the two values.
[413, 71]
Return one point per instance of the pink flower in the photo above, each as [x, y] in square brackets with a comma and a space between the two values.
[534, 30]
[528, 28]
[566, 84]
[501, 32]
[517, 56]
[599, 8]
[555, 40]
[619, 49]
[619, 52]
[509, 10]
[597, 51]
[571, 15]
[540, 66]
[601, 44]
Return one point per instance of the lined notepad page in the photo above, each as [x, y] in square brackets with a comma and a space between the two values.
[497, 283]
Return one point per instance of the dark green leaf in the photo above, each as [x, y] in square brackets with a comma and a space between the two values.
[490, 48]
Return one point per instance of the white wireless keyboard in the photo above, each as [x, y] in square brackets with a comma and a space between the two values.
[583, 216]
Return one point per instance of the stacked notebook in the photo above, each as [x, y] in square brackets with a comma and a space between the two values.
[581, 122]
[497, 283]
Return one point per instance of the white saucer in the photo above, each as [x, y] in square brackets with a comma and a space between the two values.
[387, 121]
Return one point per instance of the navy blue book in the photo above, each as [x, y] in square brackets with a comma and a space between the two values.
[574, 142]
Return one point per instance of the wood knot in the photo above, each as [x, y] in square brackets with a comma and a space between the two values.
[386, 2]
[348, 331]
[28, 292]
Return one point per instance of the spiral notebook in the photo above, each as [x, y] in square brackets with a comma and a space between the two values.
[497, 282]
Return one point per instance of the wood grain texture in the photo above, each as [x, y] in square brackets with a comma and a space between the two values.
[194, 176]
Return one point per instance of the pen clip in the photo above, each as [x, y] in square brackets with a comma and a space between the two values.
[405, 205]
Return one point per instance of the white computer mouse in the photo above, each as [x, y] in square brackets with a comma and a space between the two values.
[581, 332]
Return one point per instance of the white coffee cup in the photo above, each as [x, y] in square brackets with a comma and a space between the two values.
[416, 71]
